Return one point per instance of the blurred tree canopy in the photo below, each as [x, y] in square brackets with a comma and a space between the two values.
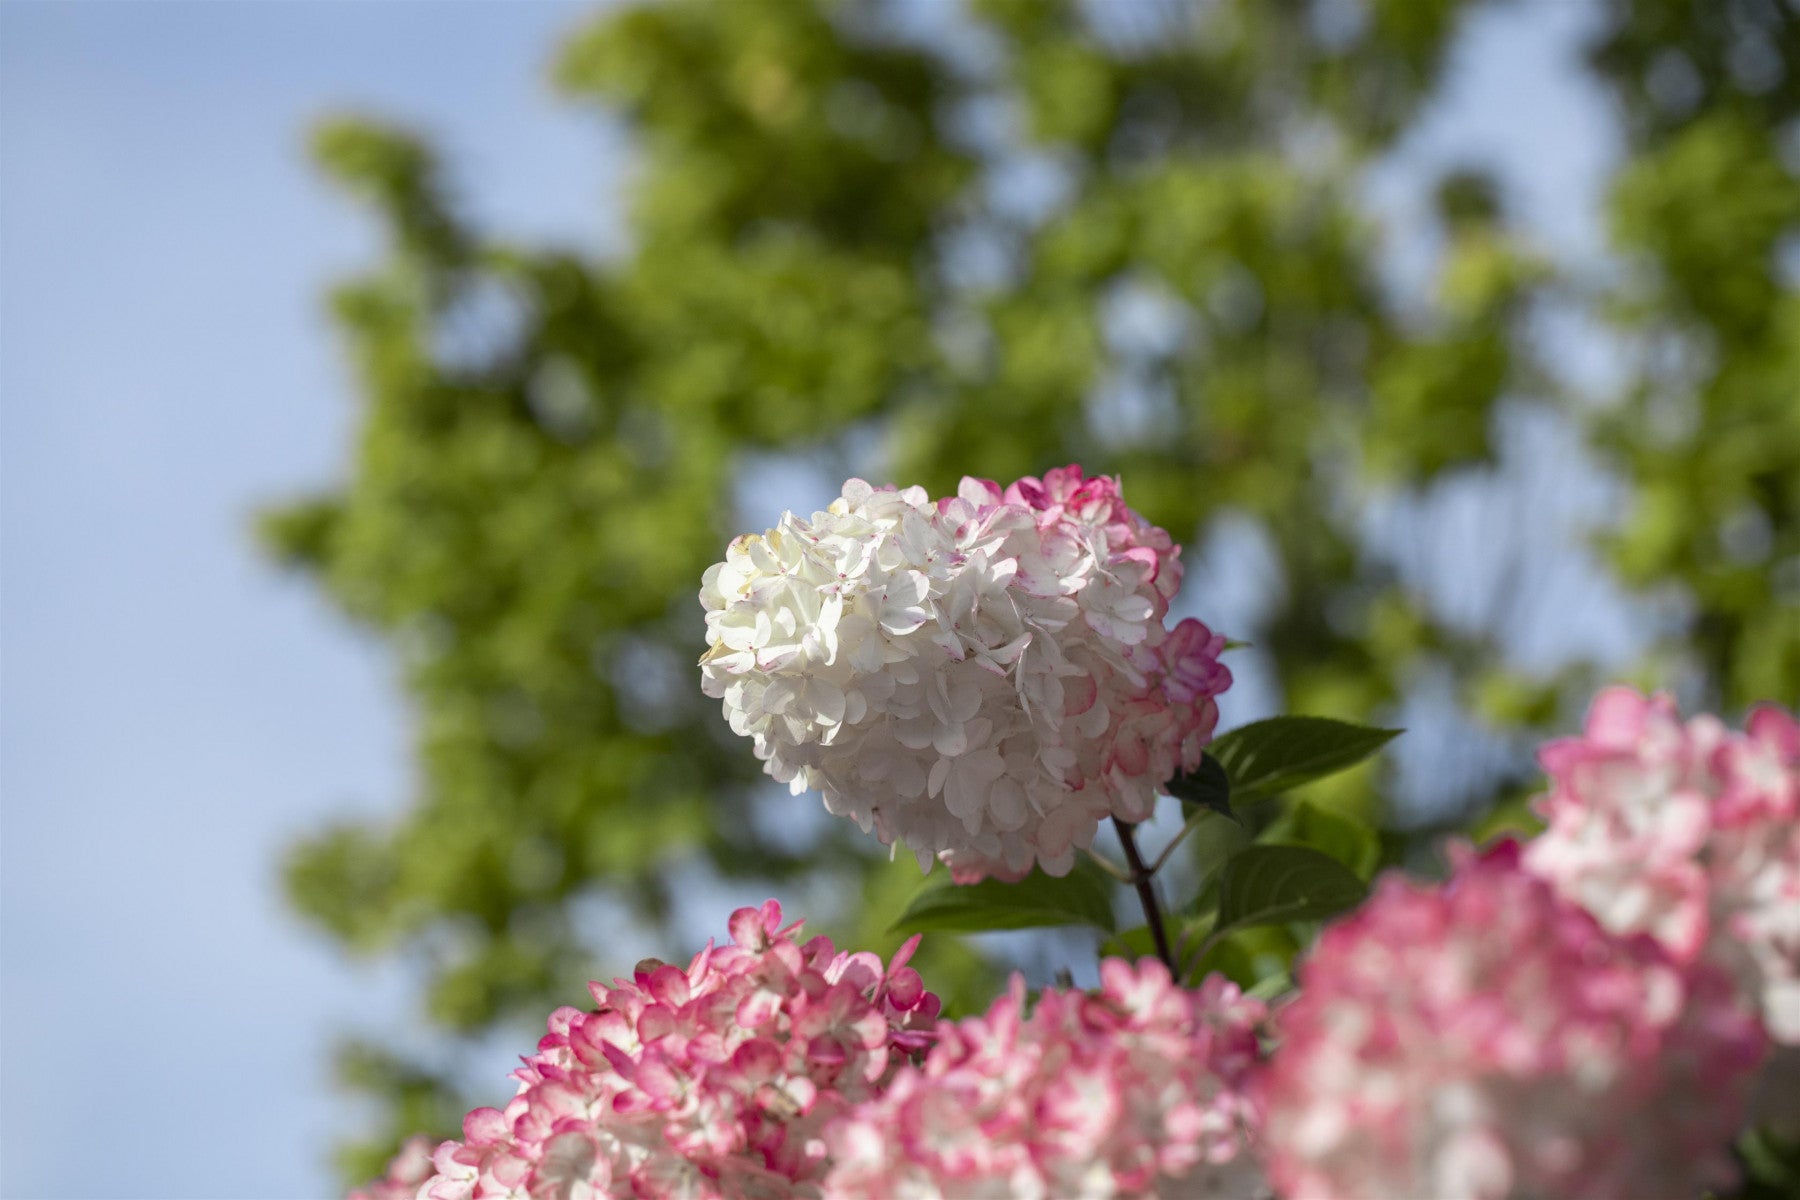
[916, 240]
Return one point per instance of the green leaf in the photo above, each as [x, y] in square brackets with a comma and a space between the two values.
[1207, 786]
[1133, 943]
[1771, 1165]
[1213, 843]
[1082, 897]
[1267, 757]
[1274, 885]
[1247, 957]
[1343, 837]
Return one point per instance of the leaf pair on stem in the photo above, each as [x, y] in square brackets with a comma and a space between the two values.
[1309, 864]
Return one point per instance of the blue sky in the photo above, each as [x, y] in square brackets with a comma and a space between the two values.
[172, 709]
[175, 710]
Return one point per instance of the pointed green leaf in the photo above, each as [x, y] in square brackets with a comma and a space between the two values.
[1267, 757]
[1207, 786]
[1270, 885]
[1082, 897]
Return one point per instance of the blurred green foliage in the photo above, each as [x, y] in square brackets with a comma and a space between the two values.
[920, 241]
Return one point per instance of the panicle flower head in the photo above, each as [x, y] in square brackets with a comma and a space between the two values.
[1487, 1039]
[984, 677]
[710, 1082]
[1687, 831]
[1138, 1089]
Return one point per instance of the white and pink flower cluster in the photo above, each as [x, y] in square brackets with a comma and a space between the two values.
[774, 1069]
[711, 1082]
[1686, 831]
[1138, 1089]
[1487, 1039]
[984, 677]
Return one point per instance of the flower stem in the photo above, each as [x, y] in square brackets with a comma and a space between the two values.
[1140, 879]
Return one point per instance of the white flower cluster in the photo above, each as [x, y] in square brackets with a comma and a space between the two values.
[983, 678]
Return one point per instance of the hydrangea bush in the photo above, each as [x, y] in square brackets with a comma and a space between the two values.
[1609, 1010]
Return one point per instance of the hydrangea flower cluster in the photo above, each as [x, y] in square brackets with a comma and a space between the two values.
[1689, 832]
[985, 677]
[1138, 1089]
[1488, 1039]
[714, 1081]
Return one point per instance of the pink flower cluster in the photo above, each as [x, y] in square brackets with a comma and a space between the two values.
[1689, 832]
[1487, 1039]
[1161, 703]
[1145, 706]
[1139, 1089]
[714, 1081]
[984, 677]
